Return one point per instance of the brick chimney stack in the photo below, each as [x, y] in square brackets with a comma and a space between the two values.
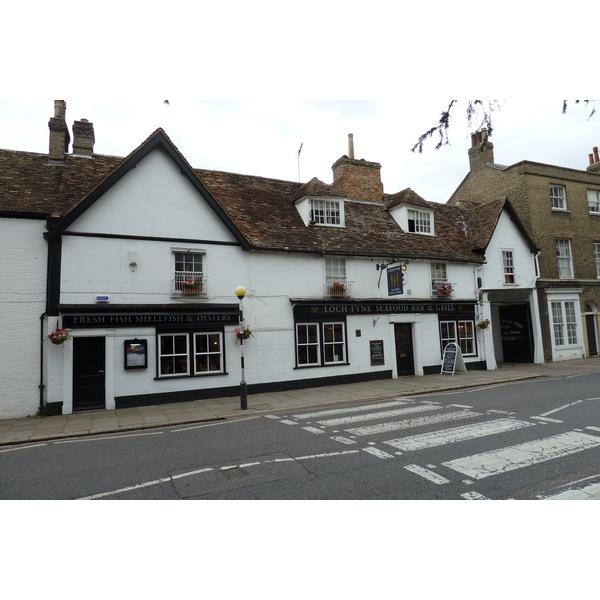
[357, 179]
[59, 133]
[481, 151]
[594, 161]
[83, 138]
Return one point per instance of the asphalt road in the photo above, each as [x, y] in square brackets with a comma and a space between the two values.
[522, 440]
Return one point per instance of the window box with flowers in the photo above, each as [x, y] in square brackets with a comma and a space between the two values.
[190, 285]
[444, 289]
[59, 336]
[337, 289]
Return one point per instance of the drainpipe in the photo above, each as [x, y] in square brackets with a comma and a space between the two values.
[42, 386]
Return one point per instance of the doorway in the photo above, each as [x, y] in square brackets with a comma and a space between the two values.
[88, 373]
[404, 349]
[590, 325]
[515, 325]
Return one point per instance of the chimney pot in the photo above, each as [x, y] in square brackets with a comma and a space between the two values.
[59, 133]
[83, 138]
[596, 157]
[591, 159]
[351, 146]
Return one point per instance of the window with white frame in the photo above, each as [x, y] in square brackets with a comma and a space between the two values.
[188, 272]
[461, 332]
[173, 354]
[190, 353]
[327, 212]
[308, 352]
[564, 323]
[558, 197]
[419, 221]
[508, 266]
[336, 282]
[208, 353]
[466, 336]
[439, 275]
[593, 197]
[597, 259]
[565, 258]
[319, 344]
[334, 344]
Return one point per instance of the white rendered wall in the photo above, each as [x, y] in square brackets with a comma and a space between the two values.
[22, 300]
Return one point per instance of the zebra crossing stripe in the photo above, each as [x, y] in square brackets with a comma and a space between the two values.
[589, 492]
[313, 430]
[510, 458]
[408, 423]
[377, 415]
[474, 496]
[457, 434]
[427, 474]
[343, 440]
[353, 409]
[378, 453]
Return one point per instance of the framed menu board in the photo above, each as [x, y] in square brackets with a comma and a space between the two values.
[136, 354]
[377, 356]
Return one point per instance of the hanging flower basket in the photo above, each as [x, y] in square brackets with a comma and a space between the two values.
[483, 324]
[59, 336]
[243, 334]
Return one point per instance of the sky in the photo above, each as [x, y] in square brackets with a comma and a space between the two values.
[296, 140]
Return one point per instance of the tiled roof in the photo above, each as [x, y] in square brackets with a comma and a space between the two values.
[262, 209]
[29, 185]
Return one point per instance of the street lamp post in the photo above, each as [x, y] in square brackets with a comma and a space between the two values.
[240, 292]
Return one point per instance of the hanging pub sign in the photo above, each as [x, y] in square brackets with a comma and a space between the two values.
[394, 277]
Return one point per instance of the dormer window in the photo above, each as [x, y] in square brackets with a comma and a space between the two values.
[419, 221]
[327, 212]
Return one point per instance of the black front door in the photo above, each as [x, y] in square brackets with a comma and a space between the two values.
[590, 323]
[515, 324]
[404, 350]
[88, 373]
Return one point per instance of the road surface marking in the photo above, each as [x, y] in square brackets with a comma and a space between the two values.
[361, 408]
[408, 423]
[22, 447]
[378, 415]
[560, 408]
[593, 428]
[457, 434]
[313, 430]
[473, 496]
[548, 419]
[427, 474]
[378, 453]
[590, 492]
[459, 406]
[116, 436]
[342, 439]
[510, 458]
[288, 422]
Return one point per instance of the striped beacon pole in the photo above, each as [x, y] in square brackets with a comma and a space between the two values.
[240, 292]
